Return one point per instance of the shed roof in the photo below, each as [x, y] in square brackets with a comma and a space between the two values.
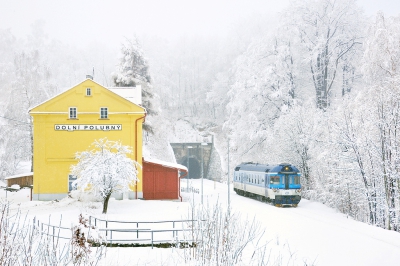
[19, 175]
[166, 164]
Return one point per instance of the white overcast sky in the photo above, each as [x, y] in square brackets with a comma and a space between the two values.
[83, 21]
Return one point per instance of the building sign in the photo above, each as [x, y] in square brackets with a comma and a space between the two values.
[114, 127]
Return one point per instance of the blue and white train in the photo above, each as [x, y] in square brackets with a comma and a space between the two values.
[279, 184]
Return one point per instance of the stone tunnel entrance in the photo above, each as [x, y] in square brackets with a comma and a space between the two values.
[194, 167]
[194, 155]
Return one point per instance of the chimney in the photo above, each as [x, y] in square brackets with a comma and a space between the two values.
[89, 77]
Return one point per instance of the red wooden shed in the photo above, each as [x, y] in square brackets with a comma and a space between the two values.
[161, 180]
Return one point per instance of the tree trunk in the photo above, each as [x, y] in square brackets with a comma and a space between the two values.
[105, 203]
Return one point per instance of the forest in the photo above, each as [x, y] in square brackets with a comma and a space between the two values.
[316, 86]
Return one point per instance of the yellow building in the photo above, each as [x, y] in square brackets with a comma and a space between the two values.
[70, 122]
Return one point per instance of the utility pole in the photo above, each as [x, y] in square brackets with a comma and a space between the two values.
[229, 187]
[188, 161]
[202, 171]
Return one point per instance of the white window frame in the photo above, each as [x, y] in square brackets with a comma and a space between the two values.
[70, 112]
[88, 91]
[102, 109]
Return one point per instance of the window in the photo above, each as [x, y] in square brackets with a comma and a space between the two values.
[103, 113]
[88, 92]
[275, 180]
[72, 113]
[71, 179]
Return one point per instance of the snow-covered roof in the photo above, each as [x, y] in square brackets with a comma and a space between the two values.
[167, 164]
[132, 94]
[19, 175]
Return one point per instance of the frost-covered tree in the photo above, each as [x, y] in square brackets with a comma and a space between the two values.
[294, 139]
[133, 70]
[30, 87]
[329, 31]
[133, 67]
[264, 86]
[104, 169]
[382, 74]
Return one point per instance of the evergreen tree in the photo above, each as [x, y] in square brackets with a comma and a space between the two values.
[134, 70]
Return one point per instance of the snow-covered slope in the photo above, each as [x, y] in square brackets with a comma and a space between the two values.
[310, 234]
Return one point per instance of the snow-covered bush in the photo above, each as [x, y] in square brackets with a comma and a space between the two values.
[23, 242]
[222, 237]
[83, 237]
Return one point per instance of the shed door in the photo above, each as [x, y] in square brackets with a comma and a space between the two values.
[160, 185]
[148, 185]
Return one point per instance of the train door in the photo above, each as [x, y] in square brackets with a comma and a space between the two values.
[244, 182]
[286, 181]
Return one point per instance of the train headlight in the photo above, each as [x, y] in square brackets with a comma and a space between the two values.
[275, 189]
[298, 190]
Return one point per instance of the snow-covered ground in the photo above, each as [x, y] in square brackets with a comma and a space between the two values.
[311, 234]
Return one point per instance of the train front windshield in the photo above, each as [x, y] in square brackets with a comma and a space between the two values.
[285, 181]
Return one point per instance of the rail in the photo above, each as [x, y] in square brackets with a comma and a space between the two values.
[136, 235]
[98, 221]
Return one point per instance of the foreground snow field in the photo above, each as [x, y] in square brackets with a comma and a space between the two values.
[311, 234]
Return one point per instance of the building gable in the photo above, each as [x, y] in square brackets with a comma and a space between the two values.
[88, 96]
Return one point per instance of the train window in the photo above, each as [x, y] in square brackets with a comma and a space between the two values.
[275, 180]
[297, 179]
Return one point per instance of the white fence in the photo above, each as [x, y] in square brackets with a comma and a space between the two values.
[130, 232]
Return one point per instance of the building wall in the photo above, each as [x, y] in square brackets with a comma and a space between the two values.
[160, 182]
[54, 146]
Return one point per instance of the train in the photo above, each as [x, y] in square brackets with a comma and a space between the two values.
[278, 184]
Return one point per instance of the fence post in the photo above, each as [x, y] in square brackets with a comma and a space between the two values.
[151, 239]
[106, 227]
